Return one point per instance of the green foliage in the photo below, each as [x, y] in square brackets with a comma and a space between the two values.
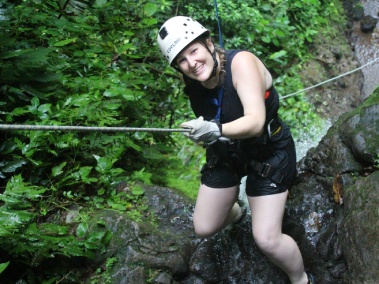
[3, 266]
[184, 174]
[76, 64]
[103, 275]
[278, 31]
[33, 242]
[96, 63]
[295, 110]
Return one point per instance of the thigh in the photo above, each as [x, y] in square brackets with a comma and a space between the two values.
[213, 206]
[284, 162]
[267, 214]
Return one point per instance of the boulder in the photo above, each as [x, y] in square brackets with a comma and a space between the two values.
[368, 24]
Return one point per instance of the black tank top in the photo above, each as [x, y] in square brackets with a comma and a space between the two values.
[203, 100]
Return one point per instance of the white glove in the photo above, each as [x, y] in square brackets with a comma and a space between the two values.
[202, 130]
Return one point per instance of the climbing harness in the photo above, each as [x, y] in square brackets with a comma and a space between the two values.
[266, 170]
[218, 103]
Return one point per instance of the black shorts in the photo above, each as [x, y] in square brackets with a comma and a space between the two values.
[222, 171]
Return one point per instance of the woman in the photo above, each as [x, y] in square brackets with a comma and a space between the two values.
[232, 94]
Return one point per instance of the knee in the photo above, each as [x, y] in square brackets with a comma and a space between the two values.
[206, 227]
[204, 230]
[268, 243]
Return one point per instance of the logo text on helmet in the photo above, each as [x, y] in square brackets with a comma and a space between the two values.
[173, 45]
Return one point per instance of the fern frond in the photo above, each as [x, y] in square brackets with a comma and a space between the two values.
[78, 6]
[57, 63]
[73, 7]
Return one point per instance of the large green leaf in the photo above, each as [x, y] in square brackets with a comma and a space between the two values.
[3, 266]
[64, 42]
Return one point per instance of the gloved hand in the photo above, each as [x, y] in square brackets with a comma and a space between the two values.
[202, 130]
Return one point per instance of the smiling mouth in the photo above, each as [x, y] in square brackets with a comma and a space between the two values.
[196, 71]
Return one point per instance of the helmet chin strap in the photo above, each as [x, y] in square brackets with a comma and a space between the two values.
[215, 65]
[214, 71]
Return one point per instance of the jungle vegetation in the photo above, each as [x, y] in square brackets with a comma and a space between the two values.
[96, 63]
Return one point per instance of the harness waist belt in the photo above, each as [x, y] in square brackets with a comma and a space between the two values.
[266, 170]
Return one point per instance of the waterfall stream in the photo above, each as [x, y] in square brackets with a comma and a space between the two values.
[367, 48]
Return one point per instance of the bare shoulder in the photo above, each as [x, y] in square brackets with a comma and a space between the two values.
[246, 64]
[244, 58]
[245, 61]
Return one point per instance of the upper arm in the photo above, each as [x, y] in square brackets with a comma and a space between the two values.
[250, 81]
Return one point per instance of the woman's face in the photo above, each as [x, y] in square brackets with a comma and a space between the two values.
[196, 62]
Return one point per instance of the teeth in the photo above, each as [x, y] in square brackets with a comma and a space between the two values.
[197, 69]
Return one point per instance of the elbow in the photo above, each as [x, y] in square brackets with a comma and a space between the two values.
[256, 130]
[254, 126]
[260, 132]
[256, 133]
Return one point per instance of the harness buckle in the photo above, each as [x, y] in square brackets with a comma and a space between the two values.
[265, 170]
[212, 161]
[273, 127]
[269, 128]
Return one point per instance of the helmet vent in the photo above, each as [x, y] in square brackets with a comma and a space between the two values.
[163, 33]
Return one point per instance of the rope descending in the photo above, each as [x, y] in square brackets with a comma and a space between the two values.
[331, 79]
[87, 128]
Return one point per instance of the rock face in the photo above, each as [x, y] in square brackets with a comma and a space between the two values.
[344, 180]
[368, 24]
[332, 213]
[360, 230]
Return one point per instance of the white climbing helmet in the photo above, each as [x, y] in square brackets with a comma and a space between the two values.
[176, 33]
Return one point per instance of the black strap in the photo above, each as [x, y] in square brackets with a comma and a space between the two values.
[266, 170]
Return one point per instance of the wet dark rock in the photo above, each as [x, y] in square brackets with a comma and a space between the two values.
[359, 131]
[338, 270]
[347, 241]
[325, 244]
[358, 12]
[361, 229]
[368, 24]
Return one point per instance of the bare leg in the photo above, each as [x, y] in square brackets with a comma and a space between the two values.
[215, 209]
[267, 215]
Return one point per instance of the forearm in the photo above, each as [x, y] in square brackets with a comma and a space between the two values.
[244, 127]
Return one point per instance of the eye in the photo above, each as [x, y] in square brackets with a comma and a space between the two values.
[180, 60]
[193, 50]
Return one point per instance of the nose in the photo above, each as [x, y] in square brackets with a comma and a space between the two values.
[191, 62]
